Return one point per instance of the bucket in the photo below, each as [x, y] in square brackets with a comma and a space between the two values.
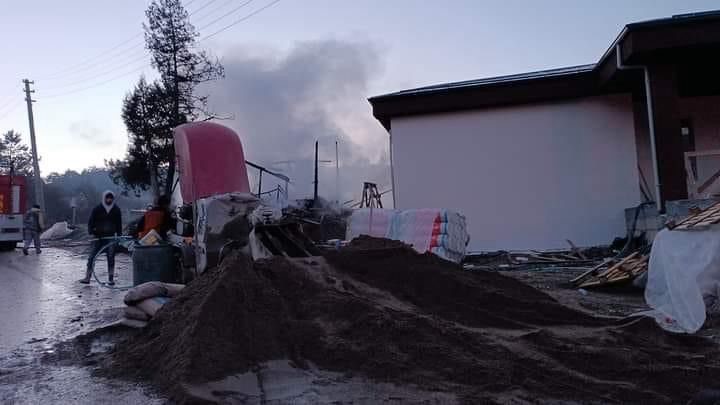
[154, 263]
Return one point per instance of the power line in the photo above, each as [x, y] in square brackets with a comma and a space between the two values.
[201, 7]
[64, 71]
[247, 17]
[206, 15]
[61, 72]
[116, 52]
[226, 14]
[12, 108]
[135, 48]
[144, 66]
[99, 75]
[7, 102]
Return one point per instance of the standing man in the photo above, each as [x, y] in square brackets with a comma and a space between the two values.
[32, 226]
[104, 224]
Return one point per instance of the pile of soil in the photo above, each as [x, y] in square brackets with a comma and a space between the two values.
[393, 315]
[365, 242]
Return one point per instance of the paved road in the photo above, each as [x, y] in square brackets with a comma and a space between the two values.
[42, 304]
[41, 298]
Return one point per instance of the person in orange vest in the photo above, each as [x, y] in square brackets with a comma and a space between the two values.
[157, 218]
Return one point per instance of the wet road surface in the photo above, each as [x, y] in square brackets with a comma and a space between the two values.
[41, 305]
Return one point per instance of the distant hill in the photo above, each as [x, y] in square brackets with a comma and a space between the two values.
[86, 188]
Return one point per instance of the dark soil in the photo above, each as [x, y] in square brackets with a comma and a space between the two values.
[394, 315]
[364, 242]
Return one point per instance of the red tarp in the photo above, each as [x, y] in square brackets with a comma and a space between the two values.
[210, 160]
[6, 199]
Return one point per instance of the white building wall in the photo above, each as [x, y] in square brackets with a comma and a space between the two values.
[526, 177]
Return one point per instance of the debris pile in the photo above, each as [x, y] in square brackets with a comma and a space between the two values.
[698, 219]
[379, 310]
[521, 260]
[614, 271]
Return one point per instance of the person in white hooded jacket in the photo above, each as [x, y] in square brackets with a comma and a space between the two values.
[105, 222]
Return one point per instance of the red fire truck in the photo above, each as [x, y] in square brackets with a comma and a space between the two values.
[13, 203]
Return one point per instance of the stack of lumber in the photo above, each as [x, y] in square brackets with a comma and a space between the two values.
[521, 260]
[706, 217]
[536, 257]
[613, 271]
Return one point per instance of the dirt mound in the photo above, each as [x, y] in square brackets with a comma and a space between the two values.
[365, 242]
[396, 316]
[442, 288]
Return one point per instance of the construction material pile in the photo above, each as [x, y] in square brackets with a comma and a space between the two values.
[380, 310]
[614, 271]
[145, 300]
[438, 231]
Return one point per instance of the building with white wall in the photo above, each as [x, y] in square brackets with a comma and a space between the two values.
[534, 159]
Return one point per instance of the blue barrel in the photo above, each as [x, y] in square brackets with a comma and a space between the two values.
[154, 263]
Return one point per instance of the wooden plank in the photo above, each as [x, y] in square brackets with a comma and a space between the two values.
[599, 283]
[693, 219]
[623, 261]
[548, 259]
[576, 250]
[590, 272]
[569, 257]
[709, 182]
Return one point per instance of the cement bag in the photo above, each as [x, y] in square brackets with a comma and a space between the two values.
[133, 323]
[144, 291]
[684, 267]
[369, 221]
[151, 305]
[172, 290]
[59, 230]
[136, 313]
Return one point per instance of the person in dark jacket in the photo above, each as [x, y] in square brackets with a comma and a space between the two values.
[105, 223]
[32, 226]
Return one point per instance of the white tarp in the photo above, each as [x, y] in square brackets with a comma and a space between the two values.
[214, 215]
[439, 231]
[684, 270]
[370, 221]
[59, 230]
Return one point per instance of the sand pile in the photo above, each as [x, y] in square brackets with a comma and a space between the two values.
[393, 315]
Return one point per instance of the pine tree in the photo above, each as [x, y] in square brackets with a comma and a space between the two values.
[172, 42]
[15, 155]
[146, 111]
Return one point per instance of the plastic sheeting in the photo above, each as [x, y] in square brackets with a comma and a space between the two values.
[370, 221]
[59, 230]
[439, 231]
[684, 272]
[218, 217]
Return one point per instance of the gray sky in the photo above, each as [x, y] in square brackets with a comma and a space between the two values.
[408, 43]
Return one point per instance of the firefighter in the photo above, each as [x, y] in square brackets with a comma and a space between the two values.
[32, 226]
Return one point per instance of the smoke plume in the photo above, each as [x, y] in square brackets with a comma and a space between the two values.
[282, 102]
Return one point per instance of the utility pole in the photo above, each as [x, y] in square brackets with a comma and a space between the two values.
[337, 174]
[39, 195]
[315, 193]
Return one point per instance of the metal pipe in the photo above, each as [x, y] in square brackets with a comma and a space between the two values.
[260, 183]
[392, 170]
[651, 125]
